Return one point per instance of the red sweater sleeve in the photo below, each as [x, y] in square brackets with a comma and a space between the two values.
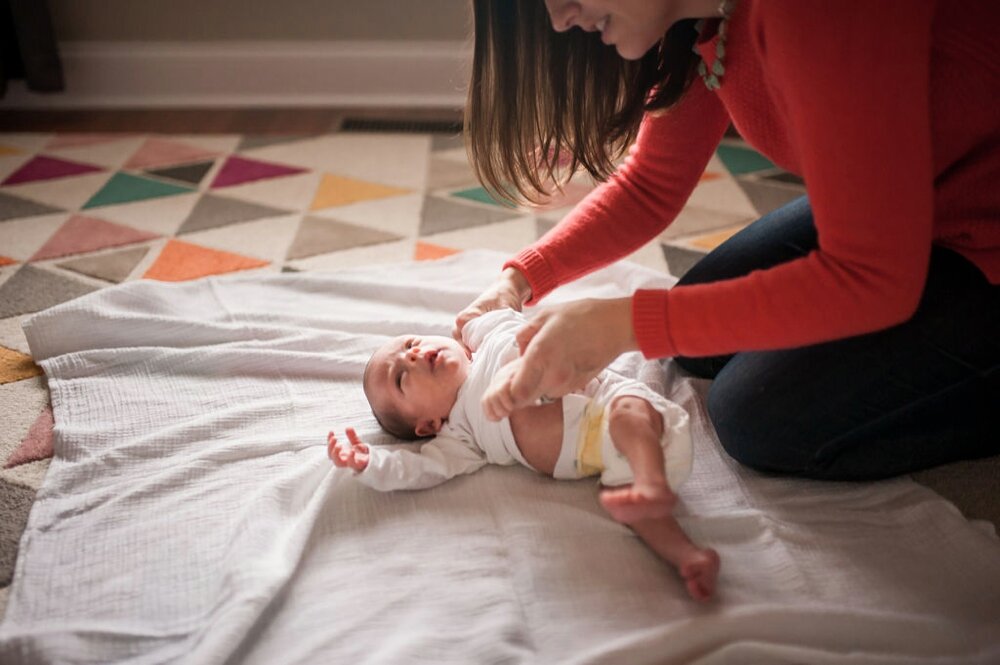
[849, 82]
[637, 202]
[854, 82]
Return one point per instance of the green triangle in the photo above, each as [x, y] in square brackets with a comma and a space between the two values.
[127, 188]
[480, 195]
[743, 160]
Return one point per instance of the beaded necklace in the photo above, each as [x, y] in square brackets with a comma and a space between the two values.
[713, 78]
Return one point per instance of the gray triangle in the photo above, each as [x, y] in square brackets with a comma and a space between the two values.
[447, 174]
[262, 141]
[14, 207]
[446, 142]
[766, 198]
[680, 260]
[543, 226]
[114, 267]
[441, 215]
[318, 235]
[786, 177]
[191, 174]
[32, 289]
[16, 501]
[213, 211]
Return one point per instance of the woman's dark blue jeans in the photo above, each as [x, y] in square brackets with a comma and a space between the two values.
[916, 395]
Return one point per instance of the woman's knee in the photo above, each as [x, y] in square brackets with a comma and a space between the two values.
[739, 415]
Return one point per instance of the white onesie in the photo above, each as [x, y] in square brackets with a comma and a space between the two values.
[468, 440]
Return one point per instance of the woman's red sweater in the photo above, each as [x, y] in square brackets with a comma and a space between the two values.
[887, 109]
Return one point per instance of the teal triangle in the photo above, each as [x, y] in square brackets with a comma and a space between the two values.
[128, 188]
[743, 160]
[480, 195]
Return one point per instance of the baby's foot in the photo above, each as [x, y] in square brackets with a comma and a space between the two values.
[699, 571]
[639, 501]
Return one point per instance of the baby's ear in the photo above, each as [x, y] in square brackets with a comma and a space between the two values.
[429, 427]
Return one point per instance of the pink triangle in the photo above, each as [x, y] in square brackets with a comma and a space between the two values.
[37, 444]
[238, 170]
[85, 234]
[75, 140]
[161, 152]
[48, 168]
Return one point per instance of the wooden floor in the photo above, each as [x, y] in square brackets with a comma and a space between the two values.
[208, 121]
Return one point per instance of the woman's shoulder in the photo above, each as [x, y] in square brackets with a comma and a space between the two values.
[816, 42]
[809, 25]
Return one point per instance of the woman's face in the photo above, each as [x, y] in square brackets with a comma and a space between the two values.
[633, 26]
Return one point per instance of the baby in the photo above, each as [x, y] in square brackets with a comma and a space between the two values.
[637, 441]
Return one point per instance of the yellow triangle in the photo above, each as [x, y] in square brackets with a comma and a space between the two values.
[16, 366]
[8, 150]
[337, 190]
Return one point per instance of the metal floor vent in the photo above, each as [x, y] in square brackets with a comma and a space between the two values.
[453, 127]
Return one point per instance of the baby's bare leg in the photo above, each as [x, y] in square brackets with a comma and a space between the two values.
[636, 428]
[699, 567]
[538, 433]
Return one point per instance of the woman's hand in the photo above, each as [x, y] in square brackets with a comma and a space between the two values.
[562, 349]
[510, 290]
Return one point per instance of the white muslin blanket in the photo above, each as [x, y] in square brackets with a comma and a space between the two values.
[190, 514]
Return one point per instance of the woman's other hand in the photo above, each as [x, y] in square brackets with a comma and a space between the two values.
[562, 349]
[511, 290]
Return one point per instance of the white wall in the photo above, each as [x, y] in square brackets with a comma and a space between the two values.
[242, 53]
[251, 20]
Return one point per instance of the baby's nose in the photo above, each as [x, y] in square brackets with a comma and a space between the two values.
[415, 352]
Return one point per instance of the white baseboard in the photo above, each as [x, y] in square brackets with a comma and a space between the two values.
[255, 74]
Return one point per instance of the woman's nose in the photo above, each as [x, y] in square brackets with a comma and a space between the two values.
[563, 14]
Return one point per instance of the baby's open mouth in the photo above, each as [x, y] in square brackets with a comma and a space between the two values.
[432, 357]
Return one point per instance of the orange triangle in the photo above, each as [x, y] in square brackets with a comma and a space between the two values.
[713, 240]
[425, 251]
[335, 190]
[709, 175]
[16, 366]
[180, 261]
[6, 261]
[9, 150]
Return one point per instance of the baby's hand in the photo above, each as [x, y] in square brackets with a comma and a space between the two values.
[352, 455]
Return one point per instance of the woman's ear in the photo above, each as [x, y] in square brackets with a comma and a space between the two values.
[428, 427]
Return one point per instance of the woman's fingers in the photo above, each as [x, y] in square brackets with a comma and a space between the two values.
[509, 291]
[464, 317]
[562, 349]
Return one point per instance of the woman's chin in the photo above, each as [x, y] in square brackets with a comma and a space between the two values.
[634, 51]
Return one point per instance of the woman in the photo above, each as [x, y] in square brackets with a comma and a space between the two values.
[851, 335]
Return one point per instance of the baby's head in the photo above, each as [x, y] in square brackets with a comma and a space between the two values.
[412, 381]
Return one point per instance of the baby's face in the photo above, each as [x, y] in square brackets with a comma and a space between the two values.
[418, 377]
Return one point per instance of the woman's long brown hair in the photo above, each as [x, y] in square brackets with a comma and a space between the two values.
[543, 103]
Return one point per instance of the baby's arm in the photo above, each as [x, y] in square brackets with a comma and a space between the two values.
[438, 460]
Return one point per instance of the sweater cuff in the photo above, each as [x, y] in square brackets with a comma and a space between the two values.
[536, 270]
[649, 323]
